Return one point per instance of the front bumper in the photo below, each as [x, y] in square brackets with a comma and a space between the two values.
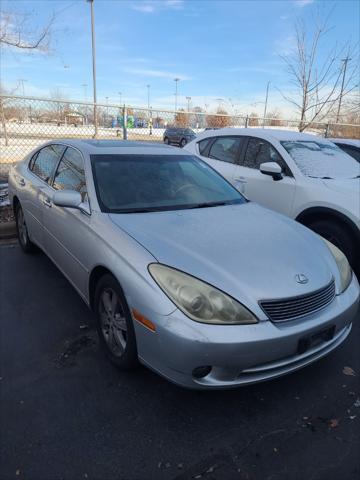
[241, 354]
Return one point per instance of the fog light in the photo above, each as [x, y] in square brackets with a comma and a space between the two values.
[201, 372]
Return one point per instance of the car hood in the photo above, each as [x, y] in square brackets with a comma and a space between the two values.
[245, 250]
[349, 186]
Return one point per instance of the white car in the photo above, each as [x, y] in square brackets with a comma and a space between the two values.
[305, 177]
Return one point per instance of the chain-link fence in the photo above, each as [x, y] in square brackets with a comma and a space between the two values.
[27, 122]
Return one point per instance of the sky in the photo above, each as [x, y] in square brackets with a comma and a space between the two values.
[226, 50]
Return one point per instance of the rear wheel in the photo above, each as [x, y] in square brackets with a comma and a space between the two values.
[22, 231]
[166, 140]
[114, 324]
[183, 142]
[339, 236]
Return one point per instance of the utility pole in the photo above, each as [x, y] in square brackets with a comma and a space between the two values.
[266, 102]
[345, 61]
[107, 109]
[176, 80]
[93, 64]
[188, 105]
[148, 96]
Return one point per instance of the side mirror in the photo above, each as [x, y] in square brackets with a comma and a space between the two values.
[67, 198]
[273, 169]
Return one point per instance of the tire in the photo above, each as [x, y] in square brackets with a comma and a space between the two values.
[340, 237]
[115, 326]
[22, 232]
[166, 140]
[183, 142]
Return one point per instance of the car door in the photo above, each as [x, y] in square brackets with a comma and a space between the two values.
[222, 153]
[66, 229]
[263, 189]
[40, 171]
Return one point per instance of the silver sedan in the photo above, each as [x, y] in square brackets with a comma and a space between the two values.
[183, 273]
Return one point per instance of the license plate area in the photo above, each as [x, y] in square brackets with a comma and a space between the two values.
[316, 339]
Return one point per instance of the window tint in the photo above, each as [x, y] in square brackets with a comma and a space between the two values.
[70, 173]
[260, 151]
[352, 151]
[225, 149]
[134, 183]
[46, 161]
[203, 145]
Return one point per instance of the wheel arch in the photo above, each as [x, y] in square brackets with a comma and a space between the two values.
[15, 202]
[324, 213]
[95, 275]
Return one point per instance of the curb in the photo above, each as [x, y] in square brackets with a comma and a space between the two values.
[7, 230]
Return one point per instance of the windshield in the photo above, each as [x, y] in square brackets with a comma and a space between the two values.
[138, 183]
[321, 159]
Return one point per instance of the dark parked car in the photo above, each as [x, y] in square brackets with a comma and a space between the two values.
[179, 136]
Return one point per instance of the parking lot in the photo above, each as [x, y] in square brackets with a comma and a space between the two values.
[66, 413]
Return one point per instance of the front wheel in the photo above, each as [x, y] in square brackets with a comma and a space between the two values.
[339, 236]
[166, 140]
[114, 324]
[183, 142]
[22, 231]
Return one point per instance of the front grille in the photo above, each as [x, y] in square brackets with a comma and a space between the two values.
[291, 308]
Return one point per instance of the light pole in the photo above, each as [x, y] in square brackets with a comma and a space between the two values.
[93, 63]
[21, 82]
[345, 60]
[266, 102]
[148, 96]
[107, 109]
[188, 105]
[176, 80]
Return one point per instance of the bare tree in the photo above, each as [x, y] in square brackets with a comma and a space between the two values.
[16, 33]
[220, 120]
[318, 82]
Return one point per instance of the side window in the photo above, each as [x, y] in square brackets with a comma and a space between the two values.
[70, 174]
[352, 151]
[260, 151]
[203, 145]
[32, 161]
[46, 161]
[225, 149]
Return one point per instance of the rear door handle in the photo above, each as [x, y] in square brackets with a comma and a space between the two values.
[47, 202]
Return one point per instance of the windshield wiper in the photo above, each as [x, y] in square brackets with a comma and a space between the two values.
[209, 204]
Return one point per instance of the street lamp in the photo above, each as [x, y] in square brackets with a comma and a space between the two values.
[188, 105]
[176, 80]
[266, 102]
[148, 96]
[93, 63]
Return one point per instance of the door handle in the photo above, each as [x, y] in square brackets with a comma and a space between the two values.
[240, 179]
[47, 202]
[21, 182]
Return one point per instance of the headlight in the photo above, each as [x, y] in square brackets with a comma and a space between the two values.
[343, 265]
[198, 300]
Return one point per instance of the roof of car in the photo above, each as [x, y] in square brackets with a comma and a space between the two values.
[265, 133]
[98, 147]
[346, 141]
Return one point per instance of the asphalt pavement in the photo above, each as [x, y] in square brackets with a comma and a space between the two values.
[66, 413]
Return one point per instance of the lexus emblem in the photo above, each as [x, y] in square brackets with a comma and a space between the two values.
[301, 278]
